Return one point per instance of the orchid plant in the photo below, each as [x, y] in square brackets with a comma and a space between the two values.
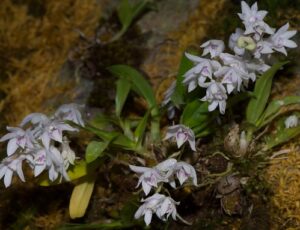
[214, 80]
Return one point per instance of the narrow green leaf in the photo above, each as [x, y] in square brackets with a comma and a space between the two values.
[144, 89]
[195, 113]
[94, 150]
[141, 86]
[127, 13]
[115, 138]
[127, 129]
[261, 94]
[178, 95]
[123, 88]
[101, 121]
[272, 111]
[282, 136]
[140, 129]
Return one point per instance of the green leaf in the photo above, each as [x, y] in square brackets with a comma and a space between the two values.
[123, 88]
[140, 85]
[94, 150]
[195, 113]
[113, 137]
[140, 129]
[261, 94]
[179, 93]
[144, 89]
[272, 111]
[127, 13]
[282, 136]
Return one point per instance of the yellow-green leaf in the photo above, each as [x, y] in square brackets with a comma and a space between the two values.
[80, 198]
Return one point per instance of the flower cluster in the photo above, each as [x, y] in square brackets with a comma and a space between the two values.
[224, 73]
[166, 172]
[40, 141]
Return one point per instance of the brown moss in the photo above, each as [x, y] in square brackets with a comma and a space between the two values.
[35, 50]
[284, 174]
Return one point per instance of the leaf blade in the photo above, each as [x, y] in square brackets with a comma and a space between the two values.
[262, 90]
[123, 88]
[94, 150]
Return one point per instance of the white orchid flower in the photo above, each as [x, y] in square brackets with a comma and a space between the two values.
[167, 168]
[231, 78]
[240, 66]
[18, 138]
[167, 207]
[213, 47]
[49, 159]
[291, 121]
[159, 204]
[70, 112]
[53, 130]
[202, 71]
[149, 177]
[216, 96]
[281, 39]
[263, 47]
[182, 134]
[35, 119]
[185, 171]
[253, 19]
[150, 206]
[10, 165]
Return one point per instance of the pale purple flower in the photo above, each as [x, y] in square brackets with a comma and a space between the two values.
[53, 130]
[149, 177]
[70, 112]
[182, 134]
[253, 19]
[213, 47]
[281, 39]
[216, 96]
[149, 206]
[232, 78]
[18, 138]
[291, 121]
[202, 70]
[51, 160]
[35, 119]
[159, 204]
[167, 168]
[239, 64]
[166, 165]
[167, 207]
[185, 171]
[10, 165]
[263, 47]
